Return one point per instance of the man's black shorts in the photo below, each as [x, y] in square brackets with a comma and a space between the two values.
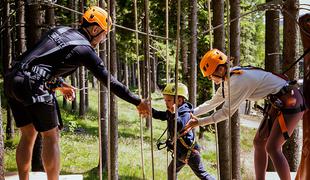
[44, 116]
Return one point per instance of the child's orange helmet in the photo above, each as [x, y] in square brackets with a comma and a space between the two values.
[98, 15]
[211, 60]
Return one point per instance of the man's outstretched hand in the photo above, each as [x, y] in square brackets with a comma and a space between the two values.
[68, 91]
[192, 123]
[144, 108]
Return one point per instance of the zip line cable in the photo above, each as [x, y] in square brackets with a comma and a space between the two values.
[139, 87]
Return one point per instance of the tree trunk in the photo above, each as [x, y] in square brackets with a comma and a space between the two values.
[272, 41]
[33, 30]
[290, 51]
[153, 70]
[103, 113]
[82, 91]
[235, 120]
[223, 133]
[192, 83]
[73, 16]
[7, 58]
[304, 167]
[184, 47]
[126, 72]
[113, 103]
[1, 147]
[86, 91]
[145, 74]
[272, 50]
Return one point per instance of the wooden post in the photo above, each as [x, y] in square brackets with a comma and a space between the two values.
[304, 166]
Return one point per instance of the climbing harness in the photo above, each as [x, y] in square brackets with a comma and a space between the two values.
[275, 101]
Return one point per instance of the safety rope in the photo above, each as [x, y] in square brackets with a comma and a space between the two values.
[213, 92]
[228, 87]
[176, 88]
[139, 86]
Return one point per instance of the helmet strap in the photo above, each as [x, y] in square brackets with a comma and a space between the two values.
[90, 36]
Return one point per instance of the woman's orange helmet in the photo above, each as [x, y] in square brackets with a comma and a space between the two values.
[98, 15]
[211, 60]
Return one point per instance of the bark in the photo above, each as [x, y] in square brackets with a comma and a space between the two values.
[126, 75]
[272, 50]
[290, 50]
[82, 91]
[7, 58]
[235, 120]
[192, 83]
[304, 167]
[272, 41]
[103, 99]
[184, 46]
[33, 33]
[1, 147]
[113, 103]
[223, 133]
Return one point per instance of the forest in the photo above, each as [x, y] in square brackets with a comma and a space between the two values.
[153, 43]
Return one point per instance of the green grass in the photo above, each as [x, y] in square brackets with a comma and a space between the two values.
[79, 144]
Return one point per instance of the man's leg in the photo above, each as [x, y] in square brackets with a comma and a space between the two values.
[195, 163]
[51, 153]
[24, 150]
[179, 166]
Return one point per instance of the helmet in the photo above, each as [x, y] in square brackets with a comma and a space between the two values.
[98, 15]
[170, 90]
[211, 60]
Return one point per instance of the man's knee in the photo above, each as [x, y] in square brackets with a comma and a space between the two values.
[51, 136]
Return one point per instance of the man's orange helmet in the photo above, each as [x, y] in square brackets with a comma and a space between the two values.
[211, 60]
[98, 15]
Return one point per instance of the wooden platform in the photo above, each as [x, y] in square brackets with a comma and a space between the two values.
[42, 176]
[274, 176]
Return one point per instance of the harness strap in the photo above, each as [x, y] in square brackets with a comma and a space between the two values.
[42, 98]
[190, 149]
[283, 126]
[60, 44]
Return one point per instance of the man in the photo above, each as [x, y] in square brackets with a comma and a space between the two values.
[187, 147]
[285, 109]
[31, 83]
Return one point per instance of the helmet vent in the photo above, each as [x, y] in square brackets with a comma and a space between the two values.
[220, 58]
[91, 16]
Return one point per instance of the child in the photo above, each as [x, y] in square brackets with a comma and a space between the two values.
[187, 148]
